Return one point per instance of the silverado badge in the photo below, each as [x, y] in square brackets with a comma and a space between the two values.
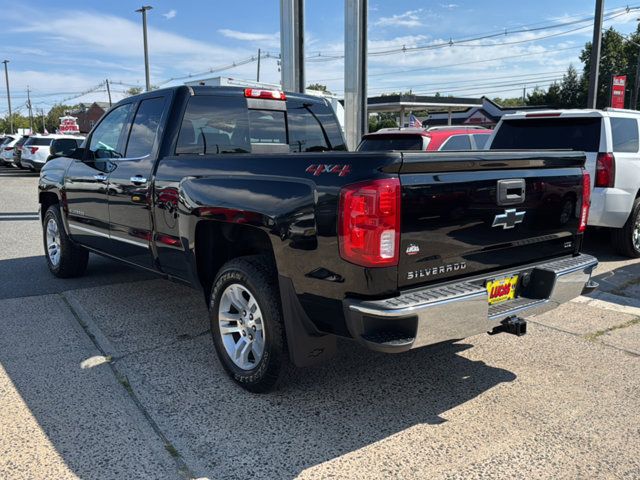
[509, 219]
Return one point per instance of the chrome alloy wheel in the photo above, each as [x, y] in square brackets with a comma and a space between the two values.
[53, 242]
[241, 326]
[636, 235]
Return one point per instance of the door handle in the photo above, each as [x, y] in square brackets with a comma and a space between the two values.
[138, 180]
[101, 177]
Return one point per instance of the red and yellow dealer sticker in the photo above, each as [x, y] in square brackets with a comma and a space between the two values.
[502, 290]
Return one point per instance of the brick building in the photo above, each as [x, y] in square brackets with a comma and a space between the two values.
[88, 115]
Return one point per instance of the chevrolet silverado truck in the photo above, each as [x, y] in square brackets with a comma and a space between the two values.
[250, 196]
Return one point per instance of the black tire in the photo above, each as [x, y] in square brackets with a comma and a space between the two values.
[73, 258]
[623, 238]
[257, 275]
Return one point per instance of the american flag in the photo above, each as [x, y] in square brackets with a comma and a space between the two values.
[414, 122]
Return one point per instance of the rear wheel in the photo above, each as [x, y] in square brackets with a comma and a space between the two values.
[64, 258]
[247, 325]
[626, 240]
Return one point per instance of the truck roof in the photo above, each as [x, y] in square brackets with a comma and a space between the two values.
[570, 113]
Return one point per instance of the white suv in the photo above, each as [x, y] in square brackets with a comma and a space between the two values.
[38, 149]
[610, 138]
[6, 148]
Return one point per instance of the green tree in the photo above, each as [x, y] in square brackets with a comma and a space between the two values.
[319, 87]
[614, 60]
[133, 91]
[571, 91]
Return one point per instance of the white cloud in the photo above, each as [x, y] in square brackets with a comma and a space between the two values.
[409, 19]
[170, 14]
[449, 6]
[271, 40]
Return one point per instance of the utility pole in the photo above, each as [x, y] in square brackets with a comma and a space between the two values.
[143, 10]
[292, 45]
[594, 71]
[108, 91]
[44, 128]
[524, 95]
[6, 77]
[258, 73]
[30, 110]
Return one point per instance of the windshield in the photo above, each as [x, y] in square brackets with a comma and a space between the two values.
[376, 143]
[581, 134]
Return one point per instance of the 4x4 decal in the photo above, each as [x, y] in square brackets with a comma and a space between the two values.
[341, 170]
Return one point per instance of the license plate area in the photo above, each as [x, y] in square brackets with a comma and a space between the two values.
[502, 289]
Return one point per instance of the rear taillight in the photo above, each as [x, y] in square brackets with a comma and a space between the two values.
[369, 223]
[605, 170]
[33, 150]
[266, 94]
[586, 201]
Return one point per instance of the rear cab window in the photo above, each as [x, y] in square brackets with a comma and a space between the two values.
[215, 124]
[382, 142]
[457, 142]
[568, 133]
[38, 142]
[624, 134]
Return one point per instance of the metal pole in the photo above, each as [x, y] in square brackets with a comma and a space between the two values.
[6, 77]
[636, 86]
[258, 72]
[594, 71]
[292, 44]
[108, 91]
[44, 127]
[355, 71]
[147, 75]
[30, 111]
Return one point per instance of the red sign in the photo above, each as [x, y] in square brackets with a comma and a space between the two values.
[618, 87]
[68, 125]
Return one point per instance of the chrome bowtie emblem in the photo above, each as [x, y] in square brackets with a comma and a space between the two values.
[509, 219]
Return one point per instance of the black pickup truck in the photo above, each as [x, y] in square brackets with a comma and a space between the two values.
[250, 196]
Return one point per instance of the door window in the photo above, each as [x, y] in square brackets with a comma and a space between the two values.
[145, 128]
[457, 142]
[105, 140]
[625, 135]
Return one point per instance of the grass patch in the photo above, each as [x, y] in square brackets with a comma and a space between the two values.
[172, 450]
[594, 336]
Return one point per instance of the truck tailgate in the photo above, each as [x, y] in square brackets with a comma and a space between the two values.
[467, 213]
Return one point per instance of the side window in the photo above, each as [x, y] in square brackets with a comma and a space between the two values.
[63, 146]
[625, 135]
[145, 127]
[457, 142]
[481, 140]
[106, 137]
[214, 124]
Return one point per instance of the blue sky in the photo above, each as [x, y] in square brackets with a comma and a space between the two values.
[66, 48]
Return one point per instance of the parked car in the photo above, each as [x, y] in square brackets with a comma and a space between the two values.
[203, 186]
[39, 149]
[430, 140]
[610, 139]
[6, 148]
[16, 153]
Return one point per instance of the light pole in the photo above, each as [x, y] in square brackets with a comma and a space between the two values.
[594, 70]
[143, 10]
[6, 77]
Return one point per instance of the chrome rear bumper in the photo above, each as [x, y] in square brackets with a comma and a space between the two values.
[459, 310]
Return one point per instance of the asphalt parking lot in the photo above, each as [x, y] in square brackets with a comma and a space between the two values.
[113, 375]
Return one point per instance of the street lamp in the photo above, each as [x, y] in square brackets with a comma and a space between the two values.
[6, 77]
[143, 10]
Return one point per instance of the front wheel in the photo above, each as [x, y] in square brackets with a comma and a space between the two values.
[247, 325]
[64, 258]
[626, 240]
